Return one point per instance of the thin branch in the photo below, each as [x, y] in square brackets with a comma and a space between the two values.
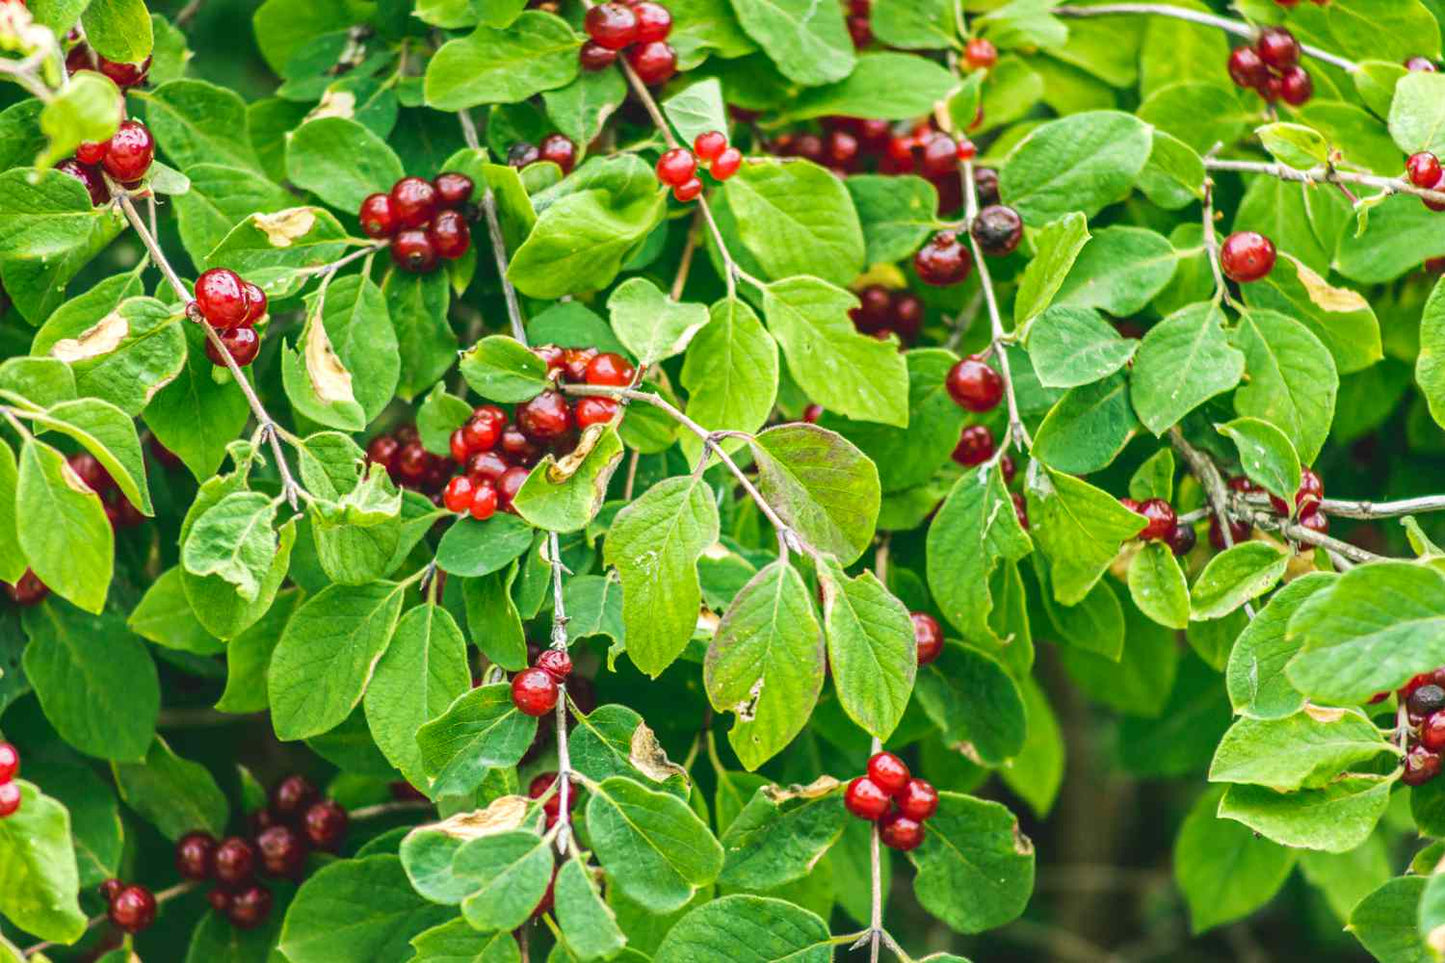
[1211, 242]
[1202, 467]
[559, 643]
[1298, 533]
[1237, 27]
[1370, 509]
[163, 897]
[875, 861]
[685, 264]
[188, 13]
[494, 230]
[1325, 175]
[387, 809]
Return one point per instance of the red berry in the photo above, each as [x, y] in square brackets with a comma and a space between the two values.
[928, 635]
[974, 385]
[91, 152]
[382, 451]
[412, 464]
[556, 663]
[918, 800]
[812, 413]
[688, 190]
[889, 772]
[129, 152]
[325, 824]
[610, 369]
[488, 465]
[1238, 531]
[1311, 492]
[546, 417]
[457, 444]
[484, 500]
[940, 157]
[985, 183]
[1432, 731]
[864, 799]
[840, 150]
[449, 235]
[377, 219]
[221, 296]
[559, 149]
[654, 22]
[1423, 169]
[458, 494]
[90, 178]
[998, 230]
[675, 166]
[980, 54]
[594, 56]
[125, 75]
[1296, 87]
[874, 309]
[413, 202]
[196, 856]
[899, 832]
[727, 164]
[243, 344]
[575, 361]
[292, 796]
[1246, 256]
[613, 25]
[1181, 540]
[283, 852]
[975, 446]
[257, 304]
[1420, 766]
[966, 150]
[484, 428]
[508, 485]
[413, 252]
[518, 447]
[1160, 516]
[453, 189]
[10, 799]
[133, 909]
[595, 411]
[249, 908]
[709, 146]
[1277, 47]
[655, 62]
[93, 473]
[1246, 69]
[942, 261]
[534, 692]
[860, 31]
[9, 762]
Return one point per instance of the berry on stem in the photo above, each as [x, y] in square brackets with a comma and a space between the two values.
[1246, 256]
[612, 25]
[980, 54]
[484, 499]
[283, 851]
[196, 856]
[414, 252]
[129, 152]
[449, 235]
[10, 799]
[676, 166]
[928, 635]
[998, 230]
[942, 261]
[918, 800]
[727, 164]
[1246, 69]
[221, 296]
[654, 22]
[9, 762]
[556, 663]
[559, 149]
[1161, 519]
[888, 772]
[325, 824]
[974, 385]
[975, 446]
[453, 189]
[655, 62]
[413, 202]
[133, 909]
[534, 692]
[1277, 47]
[377, 219]
[243, 344]
[865, 799]
[710, 145]
[235, 861]
[249, 907]
[899, 832]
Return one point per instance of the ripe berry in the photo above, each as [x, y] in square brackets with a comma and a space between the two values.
[129, 152]
[985, 183]
[610, 369]
[918, 800]
[1160, 516]
[292, 796]
[1246, 256]
[484, 500]
[1311, 492]
[942, 261]
[940, 157]
[1421, 765]
[966, 150]
[413, 251]
[709, 146]
[1277, 47]
[595, 411]
[457, 444]
[974, 385]
[1423, 169]
[1246, 69]
[899, 832]
[546, 417]
[283, 852]
[556, 663]
[196, 856]
[1238, 531]
[518, 447]
[125, 75]
[249, 908]
[91, 152]
[449, 235]
[413, 202]
[874, 309]
[864, 799]
[89, 177]
[484, 428]
[133, 909]
[997, 229]
[980, 54]
[488, 465]
[413, 462]
[1432, 732]
[688, 190]
[613, 25]
[9, 762]
[453, 189]
[377, 219]
[1296, 87]
[559, 149]
[907, 314]
[221, 296]
[534, 692]
[889, 772]
[675, 166]
[243, 344]
[594, 56]
[840, 149]
[257, 304]
[727, 164]
[812, 413]
[458, 494]
[928, 635]
[975, 446]
[325, 824]
[654, 22]
[1181, 540]
[574, 362]
[10, 799]
[655, 62]
[508, 485]
[382, 451]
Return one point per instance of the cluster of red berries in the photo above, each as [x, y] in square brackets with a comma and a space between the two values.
[1246, 256]
[882, 312]
[1163, 525]
[425, 221]
[891, 797]
[1423, 170]
[1424, 699]
[408, 462]
[126, 158]
[123, 75]
[557, 148]
[636, 28]
[9, 789]
[677, 168]
[118, 509]
[535, 690]
[296, 821]
[231, 305]
[1306, 509]
[1271, 68]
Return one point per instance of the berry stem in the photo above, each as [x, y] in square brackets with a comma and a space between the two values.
[1211, 241]
[1325, 175]
[1237, 27]
[559, 644]
[1202, 467]
[164, 895]
[494, 231]
[290, 489]
[1369, 509]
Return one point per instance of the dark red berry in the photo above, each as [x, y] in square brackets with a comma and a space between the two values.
[1246, 256]
[1277, 47]
[522, 154]
[612, 25]
[325, 824]
[812, 413]
[508, 485]
[453, 189]
[484, 500]
[413, 251]
[413, 462]
[985, 183]
[874, 309]
[413, 202]
[91, 152]
[518, 447]
[1311, 491]
[129, 152]
[899, 832]
[918, 800]
[574, 362]
[888, 772]
[1161, 518]
[90, 178]
[125, 74]
[594, 56]
[488, 465]
[458, 494]
[709, 146]
[449, 235]
[382, 451]
[1238, 531]
[998, 230]
[928, 635]
[249, 907]
[653, 21]
[546, 417]
[975, 446]
[840, 149]
[559, 149]
[28, 591]
[1181, 540]
[133, 909]
[243, 344]
[377, 219]
[10, 799]
[610, 369]
[676, 166]
[1296, 87]
[980, 54]
[1432, 731]
[292, 796]
[727, 164]
[860, 31]
[942, 261]
[1246, 69]
[594, 411]
[93, 473]
[864, 799]
[1421, 765]
[688, 190]
[534, 692]
[196, 856]
[283, 852]
[654, 63]
[907, 315]
[556, 663]
[221, 296]
[974, 385]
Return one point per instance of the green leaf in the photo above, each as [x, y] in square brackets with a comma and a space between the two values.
[589, 926]
[86, 109]
[1120, 271]
[747, 929]
[1079, 528]
[12, 561]
[500, 368]
[1265, 454]
[796, 218]
[537, 52]
[39, 881]
[614, 741]
[356, 910]
[781, 834]
[471, 548]
[438, 416]
[844, 371]
[1174, 176]
[697, 109]
[1056, 247]
[359, 330]
[1082, 162]
[248, 657]
[975, 529]
[1385, 922]
[730, 370]
[1157, 585]
[457, 942]
[1075, 346]
[972, 699]
[109, 434]
[1338, 316]
[175, 795]
[234, 540]
[580, 109]
[327, 655]
[582, 240]
[654, 543]
[897, 214]
[222, 196]
[809, 43]
[1183, 361]
[1335, 818]
[871, 648]
[1235, 576]
[975, 867]
[199, 123]
[1294, 145]
[1322, 744]
[1417, 120]
[418, 304]
[481, 730]
[1255, 675]
[96, 682]
[1088, 427]
[1225, 870]
[341, 162]
[1038, 770]
[926, 25]
[652, 845]
[886, 85]
[510, 873]
[279, 251]
[163, 616]
[653, 326]
[1291, 380]
[493, 620]
[66, 538]
[118, 30]
[765, 663]
[820, 485]
[565, 495]
[122, 354]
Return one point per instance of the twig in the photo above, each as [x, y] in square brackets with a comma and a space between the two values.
[631, 483]
[494, 230]
[1325, 175]
[559, 644]
[685, 264]
[188, 13]
[875, 862]
[1203, 468]
[1211, 241]
[1237, 27]
[387, 809]
[1298, 533]
[1346, 508]
[164, 896]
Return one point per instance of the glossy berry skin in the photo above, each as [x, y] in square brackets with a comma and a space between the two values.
[508, 485]
[595, 57]
[1421, 765]
[942, 261]
[655, 62]
[91, 152]
[709, 146]
[918, 800]
[654, 22]
[980, 54]
[414, 202]
[899, 832]
[518, 447]
[453, 189]
[325, 824]
[1246, 256]
[1296, 87]
[221, 296]
[559, 149]
[928, 635]
[613, 25]
[888, 772]
[676, 166]
[534, 692]
[1277, 47]
[484, 500]
[874, 310]
[292, 796]
[1311, 492]
[196, 856]
[546, 417]
[130, 152]
[1181, 540]
[243, 344]
[283, 852]
[1423, 169]
[413, 252]
[556, 663]
[125, 75]
[249, 908]
[610, 369]
[974, 385]
[457, 496]
[257, 303]
[1161, 519]
[688, 190]
[975, 446]
[10, 799]
[1246, 69]
[864, 799]
[594, 411]
[133, 909]
[486, 465]
[9, 762]
[89, 177]
[449, 235]
[1432, 732]
[727, 164]
[998, 230]
[377, 219]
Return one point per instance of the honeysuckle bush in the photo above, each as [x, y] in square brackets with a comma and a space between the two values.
[731, 552]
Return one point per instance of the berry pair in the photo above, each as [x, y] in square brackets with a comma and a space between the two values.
[232, 306]
[1246, 256]
[118, 509]
[891, 797]
[123, 75]
[541, 785]
[1271, 68]
[423, 219]
[638, 29]
[476, 492]
[29, 590]
[882, 312]
[126, 158]
[130, 908]
[1423, 169]
[677, 168]
[1424, 698]
[557, 148]
[1163, 525]
[535, 690]
[9, 789]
